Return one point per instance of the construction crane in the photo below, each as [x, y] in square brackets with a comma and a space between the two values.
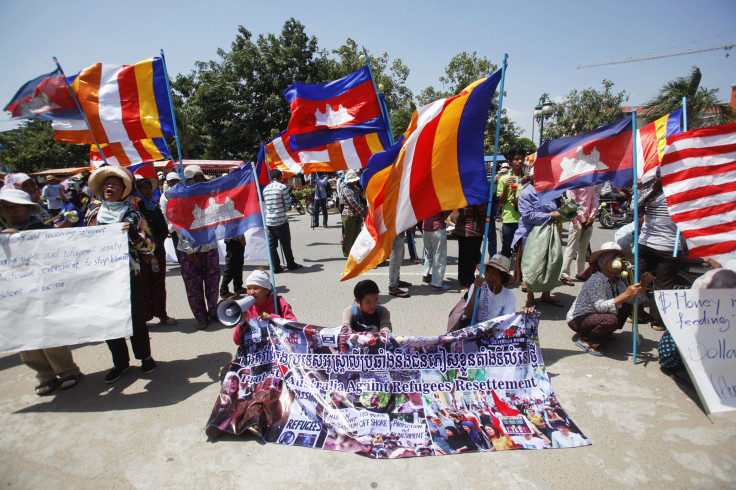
[725, 47]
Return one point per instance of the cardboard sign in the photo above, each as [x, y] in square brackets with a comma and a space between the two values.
[703, 324]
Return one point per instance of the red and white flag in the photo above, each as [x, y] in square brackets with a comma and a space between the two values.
[699, 180]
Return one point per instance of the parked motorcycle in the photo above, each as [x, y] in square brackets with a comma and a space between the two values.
[331, 203]
[615, 209]
[295, 203]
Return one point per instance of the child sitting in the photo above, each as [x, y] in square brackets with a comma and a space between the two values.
[259, 287]
[366, 315]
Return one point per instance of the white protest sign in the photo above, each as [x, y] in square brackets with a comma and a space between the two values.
[64, 287]
[703, 324]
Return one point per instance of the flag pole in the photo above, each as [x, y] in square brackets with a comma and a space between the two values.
[84, 116]
[636, 234]
[492, 183]
[265, 229]
[173, 118]
[684, 127]
[381, 100]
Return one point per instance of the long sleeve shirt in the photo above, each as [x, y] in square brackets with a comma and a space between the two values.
[533, 212]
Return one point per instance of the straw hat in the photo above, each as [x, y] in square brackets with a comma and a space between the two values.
[610, 247]
[97, 179]
[351, 177]
[17, 196]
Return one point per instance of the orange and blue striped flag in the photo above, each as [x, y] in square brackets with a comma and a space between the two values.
[436, 165]
[121, 103]
[651, 143]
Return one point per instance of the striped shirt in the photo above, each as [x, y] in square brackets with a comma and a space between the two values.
[276, 199]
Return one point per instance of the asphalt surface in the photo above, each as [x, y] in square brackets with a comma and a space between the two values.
[147, 431]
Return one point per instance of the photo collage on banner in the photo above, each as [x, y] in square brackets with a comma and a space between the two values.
[483, 388]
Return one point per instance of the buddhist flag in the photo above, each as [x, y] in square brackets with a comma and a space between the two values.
[699, 180]
[121, 103]
[127, 153]
[651, 143]
[436, 165]
[352, 153]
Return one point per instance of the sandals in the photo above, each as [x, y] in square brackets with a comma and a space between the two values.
[404, 284]
[416, 261]
[588, 349]
[46, 389]
[69, 381]
[523, 287]
[567, 281]
[169, 321]
[398, 293]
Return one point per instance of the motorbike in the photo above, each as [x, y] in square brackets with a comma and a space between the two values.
[331, 203]
[615, 209]
[295, 203]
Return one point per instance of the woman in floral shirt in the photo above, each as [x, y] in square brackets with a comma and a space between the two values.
[113, 185]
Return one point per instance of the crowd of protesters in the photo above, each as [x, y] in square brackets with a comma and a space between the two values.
[112, 195]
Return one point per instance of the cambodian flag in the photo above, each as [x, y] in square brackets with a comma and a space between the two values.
[602, 155]
[45, 97]
[222, 208]
[328, 112]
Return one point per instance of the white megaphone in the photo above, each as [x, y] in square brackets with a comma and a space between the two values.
[230, 311]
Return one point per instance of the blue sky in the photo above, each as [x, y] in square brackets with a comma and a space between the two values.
[545, 40]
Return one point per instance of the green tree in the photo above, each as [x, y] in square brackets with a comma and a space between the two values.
[585, 110]
[462, 70]
[31, 148]
[703, 108]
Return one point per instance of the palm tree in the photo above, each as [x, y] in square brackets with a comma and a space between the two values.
[703, 108]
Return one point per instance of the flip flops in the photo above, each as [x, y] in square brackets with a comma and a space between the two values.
[567, 281]
[588, 349]
[398, 293]
[404, 284]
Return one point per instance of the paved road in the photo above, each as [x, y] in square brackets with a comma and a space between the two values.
[147, 431]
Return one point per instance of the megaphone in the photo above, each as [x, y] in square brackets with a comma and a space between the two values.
[229, 311]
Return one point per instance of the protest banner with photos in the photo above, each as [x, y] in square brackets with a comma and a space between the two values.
[64, 287]
[702, 323]
[482, 388]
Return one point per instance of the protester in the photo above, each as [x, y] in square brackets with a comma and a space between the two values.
[394, 268]
[259, 287]
[75, 202]
[54, 366]
[25, 183]
[277, 200]
[494, 299]
[234, 259]
[458, 442]
[172, 178]
[508, 190]
[353, 211]
[580, 231]
[657, 243]
[563, 438]
[51, 192]
[434, 236]
[153, 271]
[499, 441]
[469, 229]
[603, 306]
[533, 213]
[200, 266]
[365, 314]
[320, 183]
[113, 185]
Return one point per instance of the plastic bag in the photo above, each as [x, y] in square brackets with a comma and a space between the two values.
[541, 261]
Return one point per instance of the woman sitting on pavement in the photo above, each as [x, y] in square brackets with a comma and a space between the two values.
[54, 366]
[603, 304]
[494, 299]
[258, 285]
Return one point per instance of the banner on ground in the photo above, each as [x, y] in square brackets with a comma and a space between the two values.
[483, 388]
[64, 287]
[702, 323]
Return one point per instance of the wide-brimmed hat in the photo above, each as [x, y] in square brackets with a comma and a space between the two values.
[610, 247]
[191, 170]
[151, 180]
[17, 196]
[502, 264]
[351, 177]
[97, 179]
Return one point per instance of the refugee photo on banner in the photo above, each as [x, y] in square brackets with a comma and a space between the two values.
[480, 389]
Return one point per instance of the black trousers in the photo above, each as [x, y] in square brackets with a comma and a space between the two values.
[233, 265]
[139, 340]
[468, 256]
[663, 266]
[276, 234]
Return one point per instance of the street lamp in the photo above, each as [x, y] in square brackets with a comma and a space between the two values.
[544, 108]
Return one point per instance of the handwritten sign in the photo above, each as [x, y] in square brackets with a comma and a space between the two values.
[64, 287]
[703, 324]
